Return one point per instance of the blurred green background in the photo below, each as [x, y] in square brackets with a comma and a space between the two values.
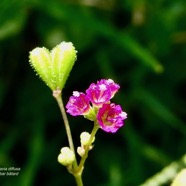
[141, 44]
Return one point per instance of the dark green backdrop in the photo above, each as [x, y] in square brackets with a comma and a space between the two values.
[141, 44]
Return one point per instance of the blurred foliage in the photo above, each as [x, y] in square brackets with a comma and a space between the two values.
[141, 44]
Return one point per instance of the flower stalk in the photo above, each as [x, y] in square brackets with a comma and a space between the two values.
[87, 148]
[77, 174]
[57, 96]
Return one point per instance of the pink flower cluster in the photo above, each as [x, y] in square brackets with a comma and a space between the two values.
[96, 105]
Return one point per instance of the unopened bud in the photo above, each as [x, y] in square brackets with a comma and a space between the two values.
[84, 138]
[81, 151]
[66, 157]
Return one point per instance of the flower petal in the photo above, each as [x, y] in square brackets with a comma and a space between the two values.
[111, 117]
[114, 87]
[98, 93]
[78, 104]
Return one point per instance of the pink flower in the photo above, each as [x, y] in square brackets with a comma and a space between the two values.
[98, 93]
[102, 92]
[78, 104]
[110, 117]
[114, 87]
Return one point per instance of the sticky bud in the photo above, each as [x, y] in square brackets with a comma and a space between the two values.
[53, 66]
[66, 157]
[84, 138]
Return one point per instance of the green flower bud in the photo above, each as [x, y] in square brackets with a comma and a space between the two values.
[85, 137]
[66, 157]
[54, 67]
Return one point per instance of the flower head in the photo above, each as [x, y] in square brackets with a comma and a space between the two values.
[98, 93]
[78, 104]
[102, 92]
[114, 87]
[110, 117]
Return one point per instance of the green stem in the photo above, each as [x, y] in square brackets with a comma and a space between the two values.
[83, 159]
[78, 179]
[57, 96]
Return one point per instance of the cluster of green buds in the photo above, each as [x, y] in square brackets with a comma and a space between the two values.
[67, 156]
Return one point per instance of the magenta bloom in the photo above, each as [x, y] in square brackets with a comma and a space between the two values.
[95, 105]
[99, 93]
[102, 92]
[114, 87]
[111, 117]
[78, 104]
